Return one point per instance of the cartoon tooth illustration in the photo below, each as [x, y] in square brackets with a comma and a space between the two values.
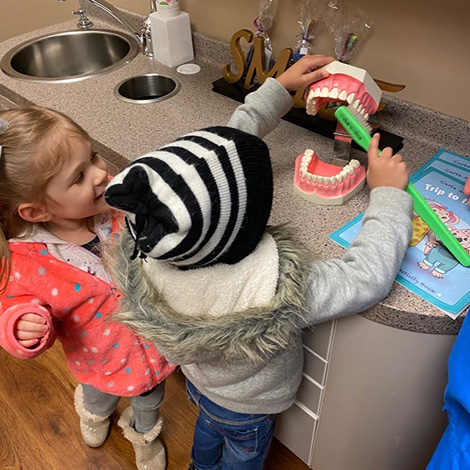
[439, 260]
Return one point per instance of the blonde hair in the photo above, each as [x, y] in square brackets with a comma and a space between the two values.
[34, 148]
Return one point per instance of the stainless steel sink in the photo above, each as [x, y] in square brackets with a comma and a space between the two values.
[69, 55]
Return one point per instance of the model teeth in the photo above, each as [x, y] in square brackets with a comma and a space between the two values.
[306, 159]
[312, 107]
[334, 93]
[325, 180]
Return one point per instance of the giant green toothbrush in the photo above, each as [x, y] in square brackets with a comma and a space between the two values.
[356, 126]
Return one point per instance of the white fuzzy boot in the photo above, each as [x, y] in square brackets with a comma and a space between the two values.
[94, 428]
[149, 450]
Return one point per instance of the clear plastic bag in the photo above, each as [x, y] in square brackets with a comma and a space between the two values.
[309, 12]
[263, 22]
[349, 26]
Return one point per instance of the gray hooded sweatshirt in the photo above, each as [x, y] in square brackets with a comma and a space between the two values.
[236, 330]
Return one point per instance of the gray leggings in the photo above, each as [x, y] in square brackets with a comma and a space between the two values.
[145, 406]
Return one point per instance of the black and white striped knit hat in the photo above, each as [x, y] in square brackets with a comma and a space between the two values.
[202, 199]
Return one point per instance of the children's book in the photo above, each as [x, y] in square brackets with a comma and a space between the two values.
[428, 269]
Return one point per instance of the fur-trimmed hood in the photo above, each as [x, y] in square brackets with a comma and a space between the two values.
[254, 333]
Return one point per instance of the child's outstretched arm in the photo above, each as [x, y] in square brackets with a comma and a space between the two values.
[365, 273]
[263, 109]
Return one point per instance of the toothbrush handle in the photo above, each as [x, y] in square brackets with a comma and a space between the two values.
[362, 137]
[424, 210]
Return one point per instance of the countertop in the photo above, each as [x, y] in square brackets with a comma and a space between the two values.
[123, 131]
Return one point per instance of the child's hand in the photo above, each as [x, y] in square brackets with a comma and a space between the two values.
[386, 169]
[466, 189]
[304, 72]
[29, 329]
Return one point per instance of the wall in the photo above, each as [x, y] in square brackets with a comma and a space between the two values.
[423, 44]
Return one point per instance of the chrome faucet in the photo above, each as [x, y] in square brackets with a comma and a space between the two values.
[144, 36]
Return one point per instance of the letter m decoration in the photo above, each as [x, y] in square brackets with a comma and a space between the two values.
[256, 66]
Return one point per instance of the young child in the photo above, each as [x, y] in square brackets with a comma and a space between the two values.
[53, 219]
[228, 299]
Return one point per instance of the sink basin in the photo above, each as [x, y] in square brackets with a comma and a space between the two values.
[69, 55]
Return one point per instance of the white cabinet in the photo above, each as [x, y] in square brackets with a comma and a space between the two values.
[296, 427]
[371, 397]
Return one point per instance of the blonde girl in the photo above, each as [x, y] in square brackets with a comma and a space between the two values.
[53, 218]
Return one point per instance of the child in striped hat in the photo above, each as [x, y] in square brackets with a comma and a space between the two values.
[224, 296]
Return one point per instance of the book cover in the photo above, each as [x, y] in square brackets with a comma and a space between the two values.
[428, 269]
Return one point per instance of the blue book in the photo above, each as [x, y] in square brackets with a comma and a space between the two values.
[428, 269]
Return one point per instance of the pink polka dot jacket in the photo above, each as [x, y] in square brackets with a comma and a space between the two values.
[69, 287]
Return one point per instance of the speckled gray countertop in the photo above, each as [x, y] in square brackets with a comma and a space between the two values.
[123, 131]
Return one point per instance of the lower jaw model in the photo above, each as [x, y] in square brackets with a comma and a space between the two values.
[324, 183]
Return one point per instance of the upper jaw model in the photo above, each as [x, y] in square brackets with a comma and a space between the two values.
[346, 83]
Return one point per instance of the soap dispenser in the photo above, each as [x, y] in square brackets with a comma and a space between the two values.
[171, 34]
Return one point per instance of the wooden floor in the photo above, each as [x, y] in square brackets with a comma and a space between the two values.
[39, 428]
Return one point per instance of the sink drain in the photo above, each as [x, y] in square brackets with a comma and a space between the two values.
[149, 88]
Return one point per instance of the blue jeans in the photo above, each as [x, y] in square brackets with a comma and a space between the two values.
[226, 440]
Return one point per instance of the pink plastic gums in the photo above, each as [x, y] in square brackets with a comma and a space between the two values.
[323, 183]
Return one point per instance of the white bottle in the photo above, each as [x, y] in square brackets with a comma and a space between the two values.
[171, 35]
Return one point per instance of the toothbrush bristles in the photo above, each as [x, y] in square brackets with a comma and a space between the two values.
[360, 118]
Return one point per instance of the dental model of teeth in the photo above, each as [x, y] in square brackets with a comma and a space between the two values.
[348, 84]
[324, 183]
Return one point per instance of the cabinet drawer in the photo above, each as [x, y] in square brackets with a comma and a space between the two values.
[309, 394]
[295, 428]
[320, 338]
[314, 367]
